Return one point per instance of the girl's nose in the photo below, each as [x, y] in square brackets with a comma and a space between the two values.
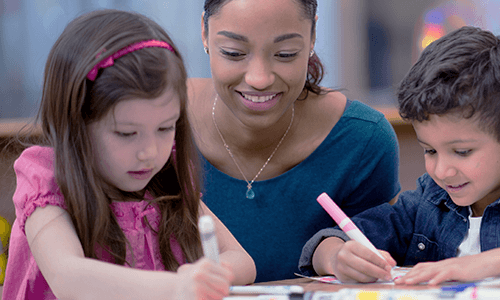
[148, 152]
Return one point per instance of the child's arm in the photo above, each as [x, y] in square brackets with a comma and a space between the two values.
[232, 253]
[465, 268]
[350, 261]
[59, 255]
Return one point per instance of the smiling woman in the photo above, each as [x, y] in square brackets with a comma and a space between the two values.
[272, 139]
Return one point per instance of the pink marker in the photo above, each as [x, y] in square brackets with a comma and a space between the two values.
[345, 223]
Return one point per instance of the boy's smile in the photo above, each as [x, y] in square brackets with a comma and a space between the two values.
[462, 159]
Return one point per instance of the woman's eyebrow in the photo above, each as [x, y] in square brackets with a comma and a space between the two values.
[242, 38]
[287, 37]
[233, 36]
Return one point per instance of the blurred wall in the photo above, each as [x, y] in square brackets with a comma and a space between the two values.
[367, 46]
[29, 28]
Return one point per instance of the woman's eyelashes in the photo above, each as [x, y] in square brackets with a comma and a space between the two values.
[234, 55]
[237, 55]
[287, 55]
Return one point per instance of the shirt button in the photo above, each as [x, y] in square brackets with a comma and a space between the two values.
[421, 246]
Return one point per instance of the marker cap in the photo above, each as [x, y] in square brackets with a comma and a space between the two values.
[331, 208]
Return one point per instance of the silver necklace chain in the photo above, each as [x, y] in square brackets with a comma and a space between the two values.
[250, 194]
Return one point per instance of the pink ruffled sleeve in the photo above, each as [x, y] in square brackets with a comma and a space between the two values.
[36, 185]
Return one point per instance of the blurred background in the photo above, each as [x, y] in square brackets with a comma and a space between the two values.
[367, 46]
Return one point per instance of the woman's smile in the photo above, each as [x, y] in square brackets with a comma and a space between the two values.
[260, 102]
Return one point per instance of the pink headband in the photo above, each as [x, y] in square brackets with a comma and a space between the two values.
[109, 61]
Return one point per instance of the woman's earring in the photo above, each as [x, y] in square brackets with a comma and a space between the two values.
[311, 53]
[206, 49]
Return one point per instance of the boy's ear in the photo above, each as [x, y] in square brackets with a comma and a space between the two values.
[204, 32]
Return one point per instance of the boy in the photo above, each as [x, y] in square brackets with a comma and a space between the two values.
[449, 227]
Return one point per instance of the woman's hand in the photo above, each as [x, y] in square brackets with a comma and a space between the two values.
[204, 279]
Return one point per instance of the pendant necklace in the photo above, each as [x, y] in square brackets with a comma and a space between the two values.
[250, 194]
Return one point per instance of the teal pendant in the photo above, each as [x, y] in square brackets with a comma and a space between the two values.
[250, 194]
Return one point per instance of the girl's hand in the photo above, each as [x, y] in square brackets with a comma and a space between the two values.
[466, 268]
[204, 279]
[356, 263]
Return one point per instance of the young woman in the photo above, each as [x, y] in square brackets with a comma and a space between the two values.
[272, 139]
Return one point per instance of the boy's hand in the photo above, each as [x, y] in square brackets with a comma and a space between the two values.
[204, 279]
[466, 268]
[352, 262]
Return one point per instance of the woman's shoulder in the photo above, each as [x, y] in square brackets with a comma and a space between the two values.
[325, 107]
[198, 86]
[199, 90]
[360, 110]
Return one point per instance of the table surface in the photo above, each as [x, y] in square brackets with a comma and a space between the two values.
[310, 285]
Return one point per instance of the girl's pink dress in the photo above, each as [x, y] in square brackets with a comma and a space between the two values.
[36, 187]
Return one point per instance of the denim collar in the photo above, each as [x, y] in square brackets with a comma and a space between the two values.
[438, 196]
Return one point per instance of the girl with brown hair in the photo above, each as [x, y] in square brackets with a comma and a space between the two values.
[113, 196]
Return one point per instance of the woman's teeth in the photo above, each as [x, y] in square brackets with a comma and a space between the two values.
[258, 99]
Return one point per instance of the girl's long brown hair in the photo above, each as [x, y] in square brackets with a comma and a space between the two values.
[70, 102]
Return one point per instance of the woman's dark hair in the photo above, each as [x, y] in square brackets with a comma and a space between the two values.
[70, 102]
[315, 69]
[458, 73]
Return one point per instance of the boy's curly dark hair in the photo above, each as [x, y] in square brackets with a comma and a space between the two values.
[459, 73]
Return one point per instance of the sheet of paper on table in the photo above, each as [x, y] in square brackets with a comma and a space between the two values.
[398, 271]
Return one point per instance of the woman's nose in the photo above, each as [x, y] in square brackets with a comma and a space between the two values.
[259, 74]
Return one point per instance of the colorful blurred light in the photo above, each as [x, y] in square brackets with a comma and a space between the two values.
[445, 16]
[431, 33]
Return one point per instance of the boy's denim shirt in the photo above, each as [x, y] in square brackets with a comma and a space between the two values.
[423, 225]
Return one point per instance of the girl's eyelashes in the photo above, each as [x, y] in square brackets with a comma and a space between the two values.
[166, 129]
[133, 133]
[124, 134]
